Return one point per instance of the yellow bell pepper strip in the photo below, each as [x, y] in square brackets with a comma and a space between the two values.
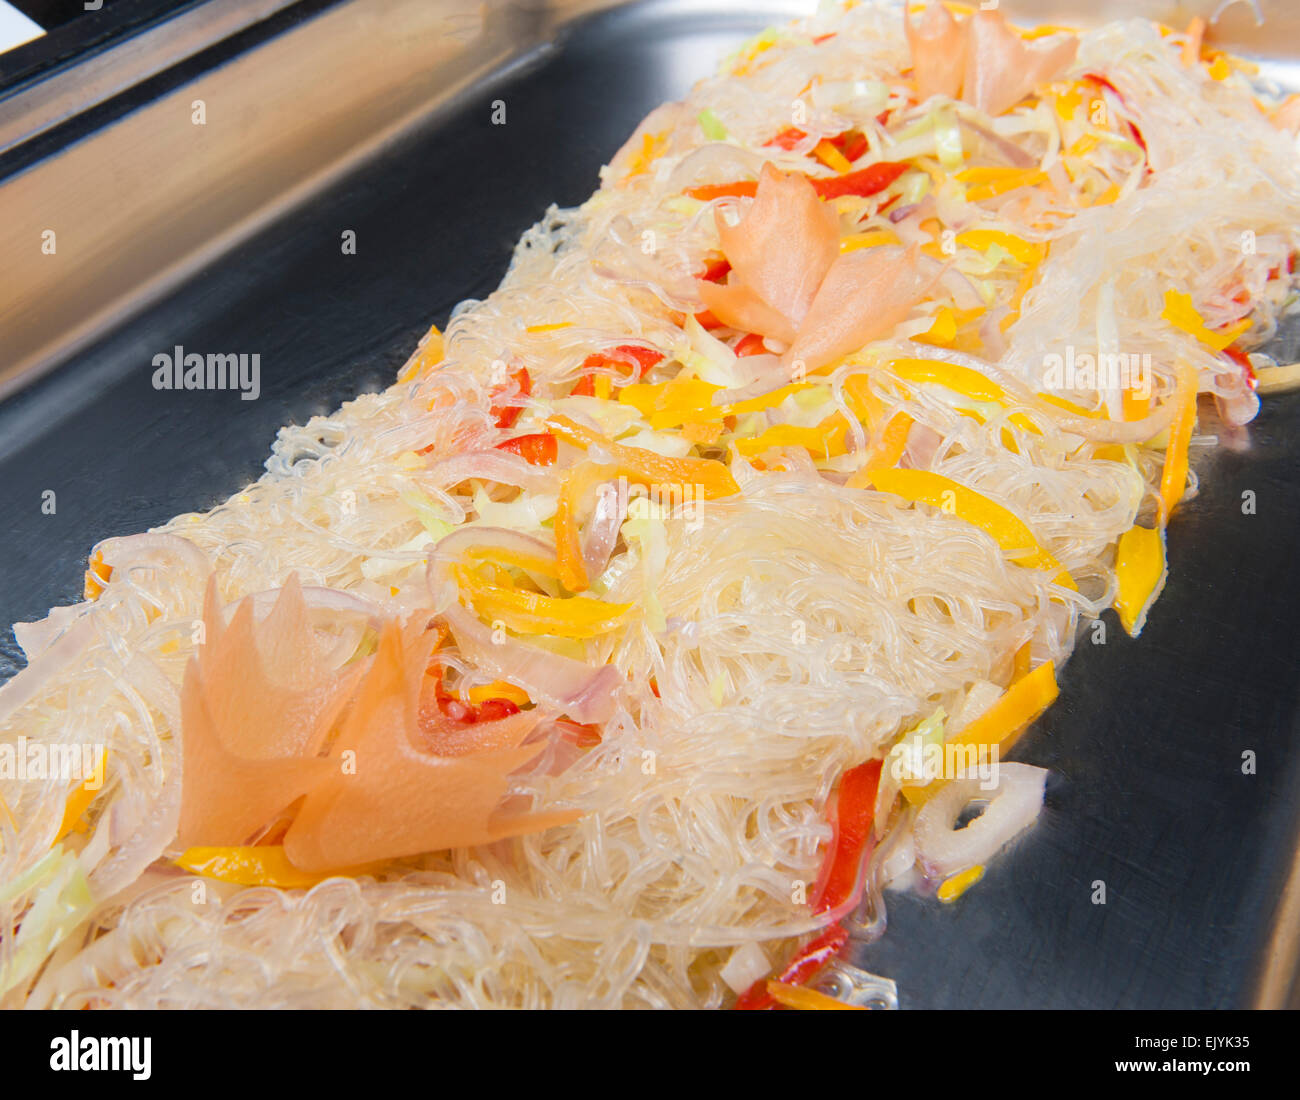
[1173, 477]
[1017, 298]
[955, 885]
[963, 380]
[529, 563]
[1110, 195]
[1006, 528]
[499, 689]
[832, 157]
[260, 865]
[1043, 30]
[1140, 571]
[1066, 98]
[1002, 724]
[797, 996]
[946, 332]
[823, 441]
[571, 567]
[1071, 407]
[652, 145]
[988, 183]
[893, 441]
[711, 477]
[690, 401]
[1182, 314]
[97, 576]
[429, 357]
[1135, 406]
[864, 404]
[532, 613]
[852, 143]
[671, 404]
[943, 331]
[886, 451]
[594, 385]
[1083, 146]
[1021, 250]
[1020, 663]
[869, 239]
[77, 804]
[766, 401]
[698, 431]
[1191, 53]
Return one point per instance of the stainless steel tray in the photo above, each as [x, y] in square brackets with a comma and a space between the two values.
[374, 116]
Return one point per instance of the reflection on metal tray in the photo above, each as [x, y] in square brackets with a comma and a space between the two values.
[226, 237]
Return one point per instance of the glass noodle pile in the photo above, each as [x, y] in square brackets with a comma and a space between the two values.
[777, 453]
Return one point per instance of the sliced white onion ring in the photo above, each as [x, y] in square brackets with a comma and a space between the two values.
[584, 693]
[1013, 805]
[451, 548]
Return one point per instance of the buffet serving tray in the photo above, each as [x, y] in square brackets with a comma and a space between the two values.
[375, 116]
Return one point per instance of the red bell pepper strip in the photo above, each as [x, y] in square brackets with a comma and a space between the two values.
[750, 344]
[1102, 82]
[576, 733]
[864, 182]
[506, 415]
[643, 358]
[538, 449]
[640, 359]
[1098, 79]
[459, 711]
[715, 269]
[852, 143]
[741, 189]
[491, 709]
[840, 885]
[787, 138]
[803, 966]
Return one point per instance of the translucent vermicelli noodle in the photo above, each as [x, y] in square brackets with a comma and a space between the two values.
[717, 576]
